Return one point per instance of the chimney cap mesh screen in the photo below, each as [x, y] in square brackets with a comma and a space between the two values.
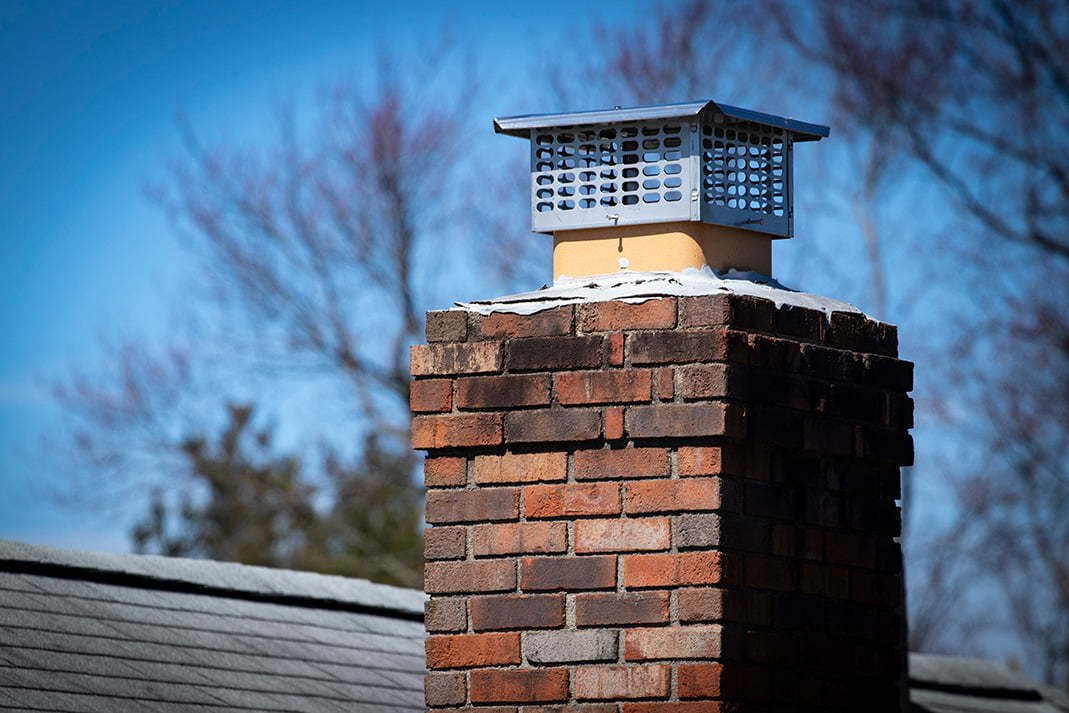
[661, 164]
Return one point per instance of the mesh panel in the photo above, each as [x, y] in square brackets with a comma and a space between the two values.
[744, 166]
[719, 170]
[595, 171]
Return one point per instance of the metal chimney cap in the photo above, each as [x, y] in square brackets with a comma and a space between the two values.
[521, 126]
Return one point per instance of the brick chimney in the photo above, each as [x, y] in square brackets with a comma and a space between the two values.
[670, 504]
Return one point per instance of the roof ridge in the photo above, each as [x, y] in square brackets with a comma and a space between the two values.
[227, 579]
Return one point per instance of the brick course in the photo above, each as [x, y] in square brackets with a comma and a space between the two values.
[678, 506]
[571, 500]
[517, 611]
[520, 468]
[630, 608]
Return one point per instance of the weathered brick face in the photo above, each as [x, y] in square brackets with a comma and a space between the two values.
[680, 506]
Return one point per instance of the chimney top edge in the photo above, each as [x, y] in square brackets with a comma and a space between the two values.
[635, 287]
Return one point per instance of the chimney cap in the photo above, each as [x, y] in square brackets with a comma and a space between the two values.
[521, 125]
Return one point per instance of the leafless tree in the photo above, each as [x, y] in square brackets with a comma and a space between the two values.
[973, 96]
[317, 255]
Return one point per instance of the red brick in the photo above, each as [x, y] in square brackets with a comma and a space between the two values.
[825, 435]
[430, 395]
[769, 573]
[544, 685]
[521, 468]
[521, 538]
[603, 387]
[683, 420]
[827, 509]
[620, 463]
[711, 604]
[899, 412]
[445, 614]
[713, 381]
[470, 650]
[627, 535]
[445, 543]
[630, 608]
[517, 611]
[502, 391]
[576, 708]
[446, 326]
[540, 501]
[783, 355]
[701, 460]
[800, 322]
[713, 680]
[459, 577]
[665, 381]
[616, 349]
[699, 680]
[874, 588]
[672, 570]
[454, 431]
[771, 501]
[849, 549]
[613, 419]
[884, 444]
[593, 683]
[825, 581]
[456, 358]
[552, 353]
[673, 642]
[854, 331]
[715, 530]
[682, 707]
[824, 363]
[613, 316]
[734, 459]
[444, 689]
[854, 403]
[888, 373]
[779, 426]
[739, 311]
[813, 544]
[772, 647]
[445, 506]
[551, 426]
[784, 540]
[567, 573]
[675, 495]
[675, 347]
[547, 323]
[445, 472]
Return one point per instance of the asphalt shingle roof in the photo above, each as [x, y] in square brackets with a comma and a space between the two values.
[952, 684]
[90, 632]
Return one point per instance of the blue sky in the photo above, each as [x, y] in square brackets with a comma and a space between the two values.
[88, 102]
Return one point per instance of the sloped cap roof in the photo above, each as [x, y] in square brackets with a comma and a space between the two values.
[522, 125]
